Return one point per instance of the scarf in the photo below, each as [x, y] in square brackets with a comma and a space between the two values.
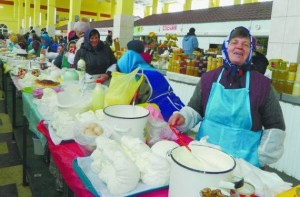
[235, 71]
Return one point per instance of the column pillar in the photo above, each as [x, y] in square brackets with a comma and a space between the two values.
[236, 2]
[165, 8]
[36, 14]
[27, 15]
[51, 14]
[254, 1]
[187, 5]
[154, 7]
[147, 11]
[112, 8]
[16, 7]
[123, 22]
[75, 7]
[213, 3]
[247, 1]
[284, 37]
[21, 17]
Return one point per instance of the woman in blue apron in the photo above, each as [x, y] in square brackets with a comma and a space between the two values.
[237, 106]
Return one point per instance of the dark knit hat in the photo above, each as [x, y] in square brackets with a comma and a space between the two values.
[136, 45]
[192, 30]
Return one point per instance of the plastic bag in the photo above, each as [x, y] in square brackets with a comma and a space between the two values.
[122, 87]
[156, 128]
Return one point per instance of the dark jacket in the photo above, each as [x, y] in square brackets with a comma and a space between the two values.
[109, 40]
[98, 59]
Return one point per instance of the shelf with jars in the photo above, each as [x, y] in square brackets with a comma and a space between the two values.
[181, 63]
[285, 76]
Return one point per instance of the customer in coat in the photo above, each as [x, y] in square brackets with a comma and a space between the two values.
[190, 42]
[65, 59]
[237, 106]
[99, 58]
[35, 45]
[109, 39]
[154, 88]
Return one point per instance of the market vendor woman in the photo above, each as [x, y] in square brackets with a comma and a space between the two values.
[99, 58]
[237, 106]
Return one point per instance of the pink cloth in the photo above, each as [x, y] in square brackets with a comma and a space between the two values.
[63, 155]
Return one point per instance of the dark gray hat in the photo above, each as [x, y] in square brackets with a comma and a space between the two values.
[136, 45]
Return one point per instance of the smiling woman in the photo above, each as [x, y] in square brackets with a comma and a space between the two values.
[237, 106]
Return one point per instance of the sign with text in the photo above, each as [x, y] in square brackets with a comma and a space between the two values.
[169, 27]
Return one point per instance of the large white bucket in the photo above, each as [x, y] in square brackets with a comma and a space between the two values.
[126, 120]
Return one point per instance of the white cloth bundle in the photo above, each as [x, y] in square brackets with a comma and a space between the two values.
[155, 170]
[266, 183]
[134, 147]
[114, 167]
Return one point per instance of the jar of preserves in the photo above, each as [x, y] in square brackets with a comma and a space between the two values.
[291, 76]
[288, 88]
[293, 67]
[280, 86]
[296, 89]
[283, 65]
[275, 74]
[282, 74]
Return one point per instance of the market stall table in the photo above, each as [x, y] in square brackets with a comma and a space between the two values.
[64, 155]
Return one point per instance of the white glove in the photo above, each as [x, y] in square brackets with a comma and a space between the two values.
[271, 146]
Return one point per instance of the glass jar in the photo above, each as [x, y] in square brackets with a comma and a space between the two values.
[280, 86]
[293, 67]
[291, 76]
[296, 89]
[288, 88]
[283, 65]
[275, 74]
[282, 74]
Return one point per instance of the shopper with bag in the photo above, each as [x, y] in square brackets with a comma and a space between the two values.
[154, 87]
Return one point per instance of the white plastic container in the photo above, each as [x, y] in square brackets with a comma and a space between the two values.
[98, 97]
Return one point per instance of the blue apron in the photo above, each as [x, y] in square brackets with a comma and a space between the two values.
[228, 122]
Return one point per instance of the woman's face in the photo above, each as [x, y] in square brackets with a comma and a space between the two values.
[72, 47]
[94, 40]
[59, 49]
[238, 50]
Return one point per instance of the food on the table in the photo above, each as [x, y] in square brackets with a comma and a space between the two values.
[114, 167]
[93, 129]
[207, 192]
[46, 83]
[35, 72]
[22, 72]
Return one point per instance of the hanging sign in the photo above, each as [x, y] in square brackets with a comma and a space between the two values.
[169, 27]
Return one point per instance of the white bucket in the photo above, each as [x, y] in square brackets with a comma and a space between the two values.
[188, 176]
[126, 120]
[38, 149]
